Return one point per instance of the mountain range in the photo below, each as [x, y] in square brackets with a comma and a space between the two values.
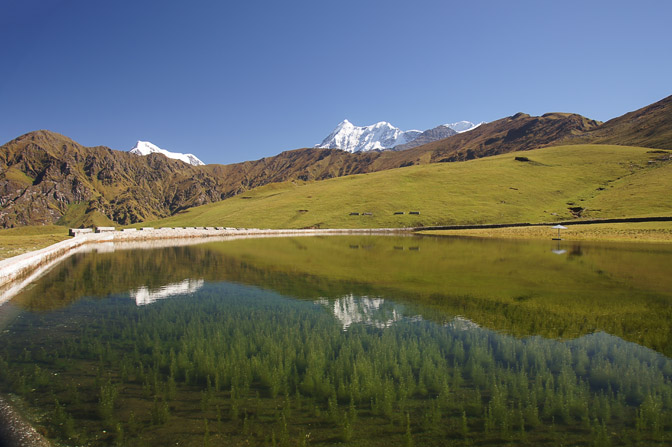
[48, 178]
[383, 135]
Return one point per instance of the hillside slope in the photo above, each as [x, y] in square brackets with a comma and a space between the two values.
[428, 136]
[650, 126]
[515, 133]
[556, 183]
[47, 178]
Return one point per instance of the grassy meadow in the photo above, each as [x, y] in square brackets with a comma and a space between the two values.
[15, 241]
[605, 181]
[77, 217]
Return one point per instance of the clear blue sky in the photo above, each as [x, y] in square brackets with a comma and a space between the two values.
[240, 80]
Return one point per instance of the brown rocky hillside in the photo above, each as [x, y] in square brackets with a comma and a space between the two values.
[428, 136]
[42, 174]
[48, 178]
[650, 126]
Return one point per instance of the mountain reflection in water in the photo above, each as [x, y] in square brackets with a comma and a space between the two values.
[519, 287]
[362, 309]
[145, 295]
[379, 313]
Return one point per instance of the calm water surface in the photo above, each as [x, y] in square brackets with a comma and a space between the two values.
[371, 341]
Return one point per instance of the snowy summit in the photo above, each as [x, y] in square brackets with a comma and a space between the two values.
[462, 126]
[379, 136]
[146, 148]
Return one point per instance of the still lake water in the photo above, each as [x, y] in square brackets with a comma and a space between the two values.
[347, 340]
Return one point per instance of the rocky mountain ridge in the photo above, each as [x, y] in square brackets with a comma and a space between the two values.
[46, 177]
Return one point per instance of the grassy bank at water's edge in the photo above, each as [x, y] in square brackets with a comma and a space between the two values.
[16, 241]
[657, 232]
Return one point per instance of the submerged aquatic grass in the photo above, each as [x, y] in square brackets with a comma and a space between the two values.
[216, 362]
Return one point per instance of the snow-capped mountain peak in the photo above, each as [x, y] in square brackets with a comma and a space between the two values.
[383, 135]
[379, 136]
[146, 148]
[462, 126]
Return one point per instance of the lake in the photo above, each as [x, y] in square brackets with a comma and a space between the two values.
[347, 340]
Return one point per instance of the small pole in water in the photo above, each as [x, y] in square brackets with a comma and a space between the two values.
[558, 227]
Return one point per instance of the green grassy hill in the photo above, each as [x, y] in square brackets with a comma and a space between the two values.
[555, 183]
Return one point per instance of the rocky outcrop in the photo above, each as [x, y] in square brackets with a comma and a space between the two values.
[428, 136]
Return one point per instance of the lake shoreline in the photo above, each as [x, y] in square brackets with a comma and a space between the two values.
[444, 300]
[631, 232]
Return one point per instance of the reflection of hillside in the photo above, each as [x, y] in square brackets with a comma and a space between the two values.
[99, 274]
[461, 324]
[519, 287]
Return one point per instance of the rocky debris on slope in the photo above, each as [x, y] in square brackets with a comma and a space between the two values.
[15, 431]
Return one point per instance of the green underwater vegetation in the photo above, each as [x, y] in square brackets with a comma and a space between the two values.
[245, 343]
